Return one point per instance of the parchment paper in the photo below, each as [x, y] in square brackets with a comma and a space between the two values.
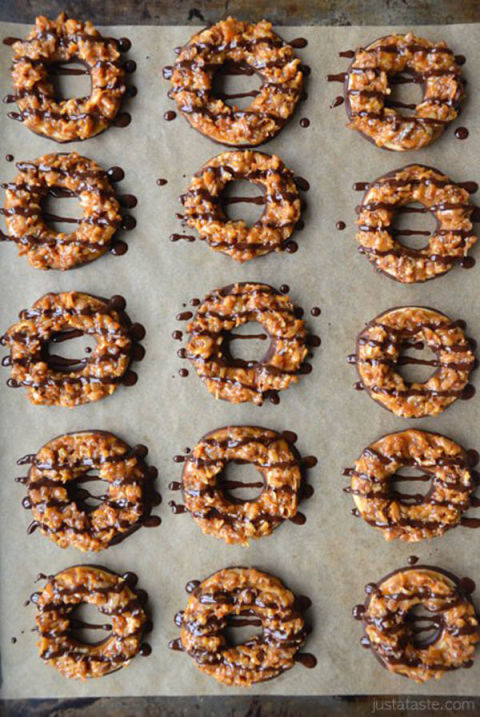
[333, 555]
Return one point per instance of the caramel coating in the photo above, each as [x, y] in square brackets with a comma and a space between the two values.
[367, 86]
[379, 347]
[240, 43]
[433, 510]
[113, 597]
[391, 636]
[225, 309]
[75, 176]
[61, 464]
[237, 591]
[204, 211]
[52, 314]
[446, 201]
[235, 521]
[61, 41]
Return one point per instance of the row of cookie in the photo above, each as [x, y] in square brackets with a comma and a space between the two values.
[245, 596]
[50, 380]
[204, 210]
[71, 175]
[235, 46]
[58, 317]
[57, 495]
[224, 599]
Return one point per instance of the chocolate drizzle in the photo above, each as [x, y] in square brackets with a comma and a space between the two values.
[405, 633]
[371, 223]
[240, 607]
[228, 488]
[43, 482]
[60, 640]
[399, 338]
[212, 206]
[222, 355]
[68, 367]
[299, 43]
[336, 102]
[88, 183]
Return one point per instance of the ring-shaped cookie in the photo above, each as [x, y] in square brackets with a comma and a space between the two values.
[66, 40]
[445, 485]
[113, 596]
[245, 44]
[236, 380]
[367, 86]
[69, 314]
[203, 209]
[57, 498]
[378, 352]
[390, 629]
[237, 521]
[235, 592]
[66, 175]
[446, 201]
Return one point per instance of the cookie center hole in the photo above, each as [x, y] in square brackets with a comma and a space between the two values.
[65, 347]
[236, 84]
[425, 627]
[241, 482]
[248, 342]
[87, 497]
[242, 199]
[413, 225]
[70, 80]
[59, 215]
[405, 94]
[88, 625]
[411, 485]
[417, 361]
[243, 628]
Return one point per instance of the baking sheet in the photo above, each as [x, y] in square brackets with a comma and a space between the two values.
[333, 555]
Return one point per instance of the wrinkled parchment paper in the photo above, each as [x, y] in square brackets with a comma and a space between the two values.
[333, 555]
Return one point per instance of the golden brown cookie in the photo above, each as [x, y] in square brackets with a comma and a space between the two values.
[235, 520]
[54, 381]
[57, 495]
[204, 211]
[228, 308]
[66, 175]
[66, 40]
[420, 648]
[368, 85]
[240, 44]
[117, 601]
[245, 594]
[378, 356]
[446, 201]
[445, 485]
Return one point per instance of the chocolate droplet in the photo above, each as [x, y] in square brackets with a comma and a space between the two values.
[461, 133]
